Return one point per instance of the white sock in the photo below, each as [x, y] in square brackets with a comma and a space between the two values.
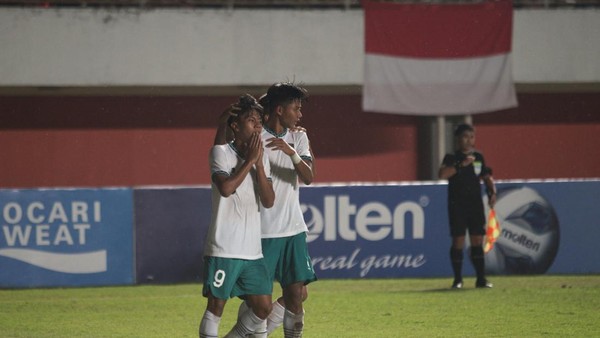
[275, 318]
[243, 308]
[261, 330]
[247, 324]
[293, 324]
[209, 326]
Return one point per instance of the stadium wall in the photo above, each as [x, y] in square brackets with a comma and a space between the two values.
[131, 141]
[221, 47]
[68, 118]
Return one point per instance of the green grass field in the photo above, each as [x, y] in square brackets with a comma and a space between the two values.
[533, 306]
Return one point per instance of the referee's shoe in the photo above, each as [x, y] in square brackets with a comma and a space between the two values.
[457, 284]
[483, 283]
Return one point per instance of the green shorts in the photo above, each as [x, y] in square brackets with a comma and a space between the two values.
[226, 278]
[287, 259]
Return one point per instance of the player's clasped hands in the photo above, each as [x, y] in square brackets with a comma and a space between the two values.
[254, 150]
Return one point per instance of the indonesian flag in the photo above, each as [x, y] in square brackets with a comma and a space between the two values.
[424, 59]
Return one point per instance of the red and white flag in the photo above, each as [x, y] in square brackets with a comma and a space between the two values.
[424, 59]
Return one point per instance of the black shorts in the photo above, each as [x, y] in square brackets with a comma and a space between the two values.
[463, 217]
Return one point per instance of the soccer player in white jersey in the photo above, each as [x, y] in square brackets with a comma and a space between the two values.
[283, 227]
[233, 261]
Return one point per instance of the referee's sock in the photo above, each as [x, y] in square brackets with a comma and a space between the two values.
[456, 258]
[478, 262]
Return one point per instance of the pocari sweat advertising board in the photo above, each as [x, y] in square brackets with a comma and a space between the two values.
[66, 237]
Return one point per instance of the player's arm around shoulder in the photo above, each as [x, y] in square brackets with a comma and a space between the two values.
[224, 133]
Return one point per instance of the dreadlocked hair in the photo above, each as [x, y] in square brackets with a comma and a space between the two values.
[246, 103]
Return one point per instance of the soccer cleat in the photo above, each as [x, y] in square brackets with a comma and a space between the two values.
[484, 284]
[457, 284]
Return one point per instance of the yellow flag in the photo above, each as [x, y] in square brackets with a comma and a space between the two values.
[493, 231]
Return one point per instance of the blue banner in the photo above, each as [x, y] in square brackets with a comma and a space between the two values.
[66, 237]
[374, 231]
[170, 226]
[377, 231]
[547, 227]
[85, 237]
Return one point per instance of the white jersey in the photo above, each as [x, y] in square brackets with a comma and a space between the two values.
[285, 218]
[234, 230]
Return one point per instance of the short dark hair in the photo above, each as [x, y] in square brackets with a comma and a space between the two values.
[461, 128]
[283, 93]
[246, 103]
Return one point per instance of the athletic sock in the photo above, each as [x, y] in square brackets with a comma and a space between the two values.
[478, 262]
[209, 326]
[456, 258]
[275, 318]
[247, 324]
[243, 308]
[261, 330]
[293, 324]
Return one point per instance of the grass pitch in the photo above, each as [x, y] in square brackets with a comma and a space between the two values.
[527, 306]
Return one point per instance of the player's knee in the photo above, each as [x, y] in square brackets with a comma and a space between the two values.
[263, 310]
[295, 293]
[215, 306]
